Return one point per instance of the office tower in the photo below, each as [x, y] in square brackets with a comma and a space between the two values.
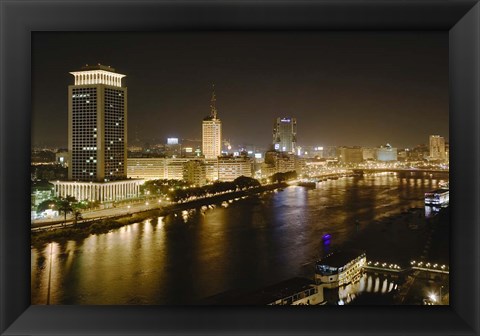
[212, 132]
[97, 138]
[285, 134]
[437, 147]
[97, 125]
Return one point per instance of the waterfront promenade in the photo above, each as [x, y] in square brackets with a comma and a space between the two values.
[152, 204]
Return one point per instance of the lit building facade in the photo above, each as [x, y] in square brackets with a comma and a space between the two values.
[174, 168]
[386, 153]
[98, 191]
[229, 168]
[369, 153]
[146, 168]
[285, 134]
[279, 162]
[437, 148]
[212, 132]
[351, 154]
[194, 172]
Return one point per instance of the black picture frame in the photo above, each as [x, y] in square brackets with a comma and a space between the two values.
[461, 19]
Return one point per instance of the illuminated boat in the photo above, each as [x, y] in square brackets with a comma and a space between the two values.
[340, 268]
[438, 197]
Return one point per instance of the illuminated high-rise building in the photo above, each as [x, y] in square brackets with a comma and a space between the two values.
[97, 138]
[285, 134]
[212, 132]
[437, 147]
[97, 125]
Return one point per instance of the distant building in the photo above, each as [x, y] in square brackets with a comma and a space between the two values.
[386, 153]
[174, 168]
[211, 169]
[279, 162]
[330, 152]
[158, 168]
[41, 191]
[173, 148]
[369, 153]
[418, 153]
[351, 154]
[191, 147]
[194, 172]
[402, 154]
[62, 158]
[146, 168]
[212, 132]
[437, 148]
[285, 134]
[229, 168]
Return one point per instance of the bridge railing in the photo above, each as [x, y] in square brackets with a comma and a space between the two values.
[414, 265]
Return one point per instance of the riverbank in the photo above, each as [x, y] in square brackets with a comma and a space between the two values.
[104, 225]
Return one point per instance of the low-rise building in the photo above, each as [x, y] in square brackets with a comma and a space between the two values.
[194, 172]
[146, 168]
[351, 155]
[98, 191]
[386, 153]
[229, 167]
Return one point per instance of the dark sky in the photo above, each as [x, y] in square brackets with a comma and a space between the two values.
[344, 88]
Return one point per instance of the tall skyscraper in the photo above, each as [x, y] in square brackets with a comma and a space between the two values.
[437, 147]
[97, 138]
[212, 132]
[285, 134]
[97, 125]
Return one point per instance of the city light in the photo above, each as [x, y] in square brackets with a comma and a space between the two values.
[240, 196]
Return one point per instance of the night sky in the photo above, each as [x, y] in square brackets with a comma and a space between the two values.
[344, 88]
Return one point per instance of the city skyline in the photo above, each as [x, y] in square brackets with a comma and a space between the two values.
[243, 83]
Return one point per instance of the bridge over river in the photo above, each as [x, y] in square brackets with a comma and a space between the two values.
[405, 172]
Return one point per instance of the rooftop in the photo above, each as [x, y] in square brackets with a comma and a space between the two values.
[340, 258]
[98, 67]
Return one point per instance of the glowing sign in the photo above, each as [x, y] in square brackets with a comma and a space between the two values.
[172, 141]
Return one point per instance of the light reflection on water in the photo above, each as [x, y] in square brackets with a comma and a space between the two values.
[348, 293]
[186, 256]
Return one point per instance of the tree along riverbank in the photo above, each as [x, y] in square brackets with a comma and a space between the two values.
[104, 225]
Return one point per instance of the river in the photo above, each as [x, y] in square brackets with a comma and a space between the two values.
[184, 257]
